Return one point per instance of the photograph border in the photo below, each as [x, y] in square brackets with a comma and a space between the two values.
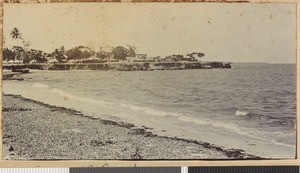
[160, 163]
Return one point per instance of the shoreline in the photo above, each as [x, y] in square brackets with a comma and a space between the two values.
[69, 134]
[121, 66]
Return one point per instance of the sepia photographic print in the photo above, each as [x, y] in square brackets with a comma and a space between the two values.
[149, 81]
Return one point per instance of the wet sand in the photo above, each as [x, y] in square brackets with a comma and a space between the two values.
[34, 130]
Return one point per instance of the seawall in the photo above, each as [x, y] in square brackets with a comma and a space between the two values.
[120, 66]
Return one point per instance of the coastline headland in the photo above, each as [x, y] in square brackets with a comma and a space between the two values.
[120, 66]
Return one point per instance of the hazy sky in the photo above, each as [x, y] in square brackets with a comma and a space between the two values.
[245, 32]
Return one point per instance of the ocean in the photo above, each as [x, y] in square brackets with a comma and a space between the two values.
[250, 107]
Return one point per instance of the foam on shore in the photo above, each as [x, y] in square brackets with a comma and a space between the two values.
[162, 122]
[41, 131]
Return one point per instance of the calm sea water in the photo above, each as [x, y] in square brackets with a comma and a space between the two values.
[251, 106]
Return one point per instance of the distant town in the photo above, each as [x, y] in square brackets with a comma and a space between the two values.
[124, 58]
[84, 54]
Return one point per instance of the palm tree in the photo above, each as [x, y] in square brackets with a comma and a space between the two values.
[15, 34]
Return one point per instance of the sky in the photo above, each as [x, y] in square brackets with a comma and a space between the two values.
[235, 32]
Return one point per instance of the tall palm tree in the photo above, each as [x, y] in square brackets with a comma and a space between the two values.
[15, 34]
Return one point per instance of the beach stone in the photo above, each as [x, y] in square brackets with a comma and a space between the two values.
[16, 77]
[48, 134]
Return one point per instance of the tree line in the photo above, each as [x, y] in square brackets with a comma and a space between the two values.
[17, 53]
[23, 54]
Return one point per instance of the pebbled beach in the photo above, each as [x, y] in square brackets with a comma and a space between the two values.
[34, 130]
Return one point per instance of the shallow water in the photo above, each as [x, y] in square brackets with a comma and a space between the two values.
[251, 106]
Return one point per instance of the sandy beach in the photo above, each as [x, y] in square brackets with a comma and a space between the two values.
[34, 130]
